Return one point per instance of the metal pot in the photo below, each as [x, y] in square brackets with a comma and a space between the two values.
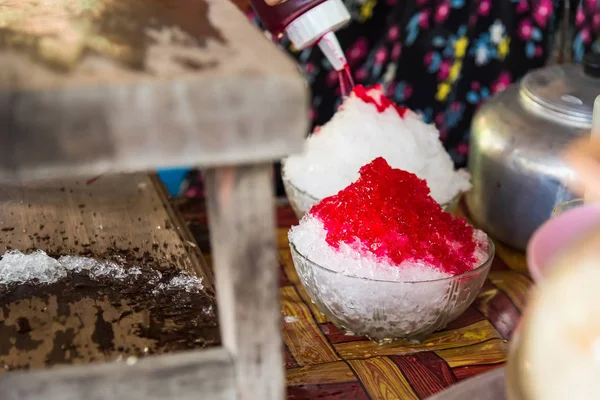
[517, 138]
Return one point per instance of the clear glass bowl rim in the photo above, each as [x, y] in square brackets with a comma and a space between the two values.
[474, 271]
[315, 200]
[289, 182]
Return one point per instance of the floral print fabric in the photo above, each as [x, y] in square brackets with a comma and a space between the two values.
[442, 58]
[587, 26]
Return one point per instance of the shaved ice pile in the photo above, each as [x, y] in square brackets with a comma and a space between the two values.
[385, 226]
[368, 125]
[378, 257]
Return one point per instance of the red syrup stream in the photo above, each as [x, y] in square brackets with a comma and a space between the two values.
[346, 81]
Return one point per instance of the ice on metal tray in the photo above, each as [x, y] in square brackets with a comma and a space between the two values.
[16, 267]
[96, 268]
[39, 267]
[189, 283]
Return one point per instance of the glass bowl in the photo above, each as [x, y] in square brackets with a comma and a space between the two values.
[302, 202]
[388, 310]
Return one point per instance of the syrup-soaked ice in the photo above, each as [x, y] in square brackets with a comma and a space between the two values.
[386, 226]
[369, 125]
[38, 267]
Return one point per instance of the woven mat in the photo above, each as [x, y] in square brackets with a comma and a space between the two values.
[323, 363]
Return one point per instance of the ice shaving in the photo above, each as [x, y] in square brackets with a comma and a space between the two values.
[386, 226]
[38, 267]
[369, 125]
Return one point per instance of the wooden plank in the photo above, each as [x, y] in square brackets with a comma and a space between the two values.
[303, 336]
[514, 259]
[79, 320]
[242, 223]
[330, 391]
[470, 316]
[383, 379]
[494, 351]
[287, 264]
[282, 238]
[189, 376]
[470, 371]
[335, 336]
[488, 386]
[114, 215]
[515, 286]
[88, 87]
[318, 315]
[427, 373]
[334, 372]
[498, 309]
[285, 258]
[194, 250]
[472, 334]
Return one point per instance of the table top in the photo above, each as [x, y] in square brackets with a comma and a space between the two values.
[78, 321]
[323, 363]
[88, 87]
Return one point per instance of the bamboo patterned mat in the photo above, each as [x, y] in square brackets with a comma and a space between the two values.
[323, 363]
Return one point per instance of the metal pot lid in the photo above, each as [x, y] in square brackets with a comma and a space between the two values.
[568, 90]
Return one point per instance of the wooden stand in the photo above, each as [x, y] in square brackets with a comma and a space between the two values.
[126, 86]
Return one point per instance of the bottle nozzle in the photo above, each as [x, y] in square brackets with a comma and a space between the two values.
[330, 46]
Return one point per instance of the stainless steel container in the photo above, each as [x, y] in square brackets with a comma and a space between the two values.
[517, 138]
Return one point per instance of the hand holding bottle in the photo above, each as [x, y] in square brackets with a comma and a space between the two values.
[306, 23]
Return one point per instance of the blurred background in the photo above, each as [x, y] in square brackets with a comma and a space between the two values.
[441, 58]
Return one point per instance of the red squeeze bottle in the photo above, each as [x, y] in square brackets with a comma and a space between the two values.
[307, 22]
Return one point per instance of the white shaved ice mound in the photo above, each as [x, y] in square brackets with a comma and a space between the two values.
[359, 133]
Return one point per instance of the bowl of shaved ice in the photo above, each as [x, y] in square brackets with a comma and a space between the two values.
[366, 126]
[382, 259]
